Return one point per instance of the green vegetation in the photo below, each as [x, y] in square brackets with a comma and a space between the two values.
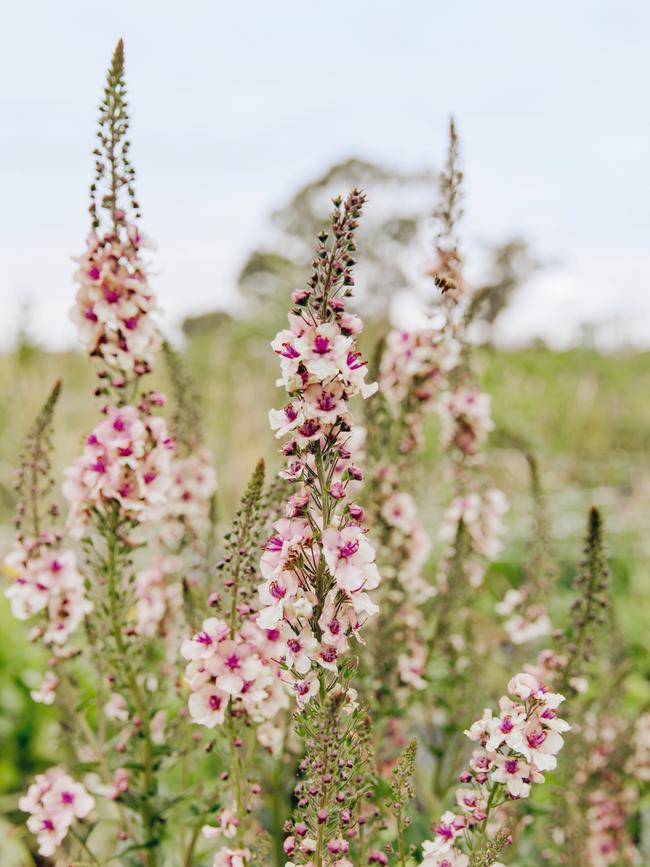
[584, 414]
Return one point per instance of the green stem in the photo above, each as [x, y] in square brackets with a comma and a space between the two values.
[196, 831]
[138, 699]
[321, 573]
[400, 839]
[237, 779]
[84, 845]
[320, 837]
[479, 843]
[361, 848]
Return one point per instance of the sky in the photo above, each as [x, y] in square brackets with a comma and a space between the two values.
[237, 104]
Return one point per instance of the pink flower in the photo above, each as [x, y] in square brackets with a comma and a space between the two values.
[299, 648]
[466, 419]
[285, 545]
[126, 460]
[233, 665]
[400, 511]
[318, 558]
[116, 708]
[202, 645]
[515, 773]
[54, 801]
[114, 303]
[276, 595]
[46, 693]
[411, 665]
[524, 686]
[207, 706]
[228, 857]
[238, 670]
[350, 558]
[448, 830]
[192, 487]
[306, 688]
[541, 745]
[450, 858]
[48, 584]
[119, 785]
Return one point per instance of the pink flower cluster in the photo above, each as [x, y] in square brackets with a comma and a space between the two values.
[466, 419]
[127, 460]
[228, 856]
[450, 858]
[48, 583]
[609, 841]
[159, 597]
[514, 748]
[413, 370]
[318, 565]
[225, 667]
[415, 361]
[114, 304]
[192, 487]
[404, 551]
[186, 511]
[526, 622]
[288, 601]
[408, 537]
[482, 514]
[54, 801]
[639, 763]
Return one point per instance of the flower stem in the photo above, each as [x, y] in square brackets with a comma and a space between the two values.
[481, 839]
[237, 779]
[400, 839]
[138, 699]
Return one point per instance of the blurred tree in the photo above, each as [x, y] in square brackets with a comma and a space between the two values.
[392, 241]
[204, 322]
[512, 263]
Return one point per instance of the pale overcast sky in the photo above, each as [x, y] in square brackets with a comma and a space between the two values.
[237, 103]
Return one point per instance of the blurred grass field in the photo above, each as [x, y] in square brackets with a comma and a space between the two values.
[584, 414]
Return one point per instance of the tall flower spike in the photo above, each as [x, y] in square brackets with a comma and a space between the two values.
[118, 488]
[465, 412]
[186, 423]
[191, 504]
[402, 790]
[327, 829]
[113, 170]
[524, 607]
[47, 587]
[318, 565]
[114, 302]
[589, 611]
[231, 674]
[34, 482]
[230, 671]
[447, 269]
[182, 567]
